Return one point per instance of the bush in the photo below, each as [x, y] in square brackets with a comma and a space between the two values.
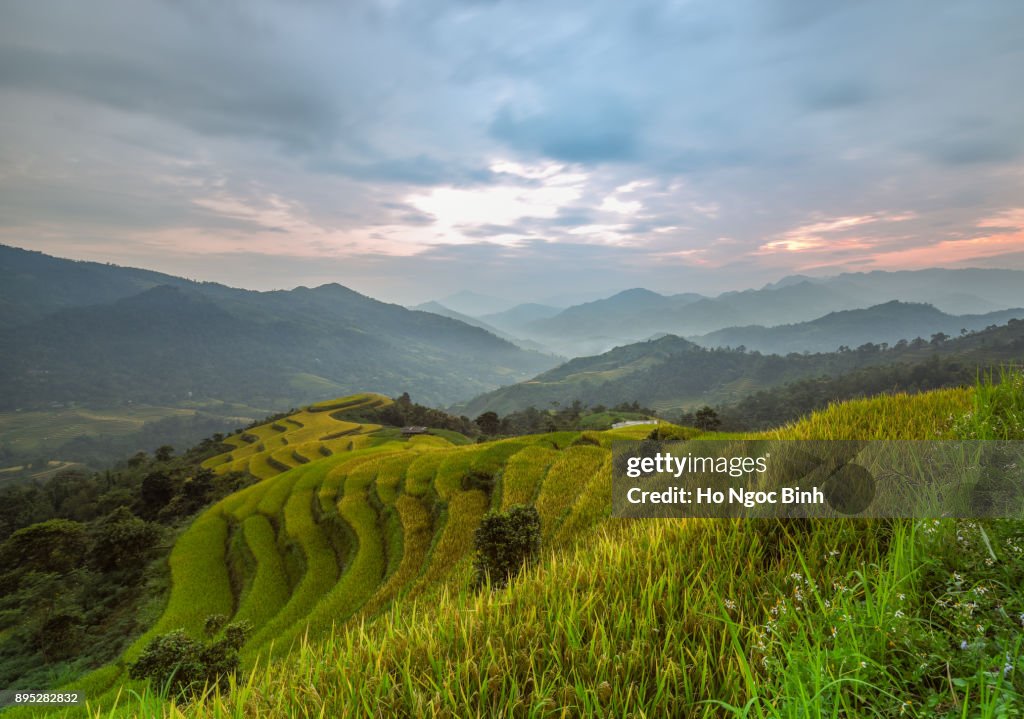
[505, 542]
[180, 665]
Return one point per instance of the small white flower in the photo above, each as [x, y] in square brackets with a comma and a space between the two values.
[730, 604]
[898, 614]
[901, 596]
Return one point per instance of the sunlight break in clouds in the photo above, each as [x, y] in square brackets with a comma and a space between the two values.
[822, 235]
[550, 188]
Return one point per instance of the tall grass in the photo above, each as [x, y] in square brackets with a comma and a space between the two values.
[524, 473]
[646, 618]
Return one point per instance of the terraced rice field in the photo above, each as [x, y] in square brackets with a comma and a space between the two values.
[346, 522]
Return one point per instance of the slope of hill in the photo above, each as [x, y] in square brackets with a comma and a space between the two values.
[518, 317]
[615, 620]
[671, 373]
[888, 323]
[438, 309]
[185, 342]
[33, 285]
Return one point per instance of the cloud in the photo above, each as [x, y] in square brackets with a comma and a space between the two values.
[598, 139]
[578, 129]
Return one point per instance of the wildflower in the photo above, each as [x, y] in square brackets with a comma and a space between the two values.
[963, 644]
[899, 614]
[730, 604]
[835, 632]
[1008, 666]
[863, 665]
[901, 596]
[905, 707]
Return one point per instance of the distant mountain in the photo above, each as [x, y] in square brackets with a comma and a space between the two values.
[186, 341]
[637, 314]
[438, 309]
[670, 373]
[519, 316]
[889, 323]
[33, 285]
[475, 304]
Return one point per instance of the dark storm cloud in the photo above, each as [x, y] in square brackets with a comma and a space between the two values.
[690, 132]
[584, 130]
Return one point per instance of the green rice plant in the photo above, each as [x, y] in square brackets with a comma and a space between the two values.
[390, 477]
[364, 573]
[429, 442]
[929, 415]
[592, 505]
[278, 490]
[284, 458]
[327, 495]
[564, 481]
[455, 543]
[453, 468]
[200, 585]
[269, 590]
[263, 466]
[419, 477]
[494, 456]
[710, 618]
[321, 567]
[417, 533]
[523, 474]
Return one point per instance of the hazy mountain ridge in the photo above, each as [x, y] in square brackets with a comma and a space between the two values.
[671, 372]
[888, 323]
[186, 341]
[635, 315]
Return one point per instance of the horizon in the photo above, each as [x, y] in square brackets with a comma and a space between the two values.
[521, 150]
[514, 302]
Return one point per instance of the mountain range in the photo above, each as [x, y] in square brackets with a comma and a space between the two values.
[92, 333]
[639, 314]
[886, 323]
[672, 373]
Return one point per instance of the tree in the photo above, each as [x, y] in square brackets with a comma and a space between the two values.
[164, 453]
[505, 542]
[157, 490]
[121, 540]
[488, 423]
[56, 545]
[938, 338]
[181, 665]
[707, 419]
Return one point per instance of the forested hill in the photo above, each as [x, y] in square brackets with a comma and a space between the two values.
[671, 373]
[179, 341]
[888, 322]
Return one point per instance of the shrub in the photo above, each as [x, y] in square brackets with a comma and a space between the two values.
[180, 665]
[505, 542]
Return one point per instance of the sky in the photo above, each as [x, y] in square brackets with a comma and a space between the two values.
[529, 150]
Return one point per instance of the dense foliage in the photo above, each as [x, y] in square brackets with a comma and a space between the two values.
[81, 558]
[505, 543]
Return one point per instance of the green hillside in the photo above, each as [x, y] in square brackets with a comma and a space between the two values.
[158, 340]
[354, 568]
[671, 373]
